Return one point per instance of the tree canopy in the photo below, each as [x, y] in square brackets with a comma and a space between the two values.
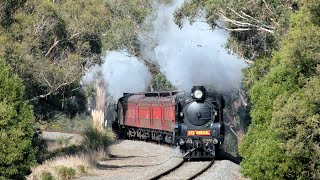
[51, 44]
[256, 26]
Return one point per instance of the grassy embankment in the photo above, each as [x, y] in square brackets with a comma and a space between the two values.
[73, 156]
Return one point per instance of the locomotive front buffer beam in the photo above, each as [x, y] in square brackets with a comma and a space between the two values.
[202, 148]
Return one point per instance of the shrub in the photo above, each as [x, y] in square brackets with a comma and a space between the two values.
[82, 169]
[17, 151]
[95, 140]
[47, 176]
[66, 172]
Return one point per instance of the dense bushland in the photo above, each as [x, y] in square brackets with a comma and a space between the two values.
[50, 45]
[283, 139]
[282, 40]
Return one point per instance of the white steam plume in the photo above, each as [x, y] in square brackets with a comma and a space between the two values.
[193, 55]
[121, 74]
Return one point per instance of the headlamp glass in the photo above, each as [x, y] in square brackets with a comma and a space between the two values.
[198, 94]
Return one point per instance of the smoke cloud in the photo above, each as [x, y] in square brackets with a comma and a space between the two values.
[193, 55]
[122, 73]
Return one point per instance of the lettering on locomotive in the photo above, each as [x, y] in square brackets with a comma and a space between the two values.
[198, 133]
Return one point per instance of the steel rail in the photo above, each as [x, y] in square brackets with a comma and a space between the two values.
[202, 171]
[60, 131]
[169, 171]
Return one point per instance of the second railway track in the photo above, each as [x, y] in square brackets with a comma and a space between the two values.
[186, 170]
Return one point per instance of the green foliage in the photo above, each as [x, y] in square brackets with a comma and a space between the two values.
[83, 170]
[96, 140]
[257, 70]
[51, 44]
[256, 27]
[47, 176]
[7, 10]
[283, 139]
[160, 83]
[66, 172]
[125, 26]
[63, 122]
[17, 151]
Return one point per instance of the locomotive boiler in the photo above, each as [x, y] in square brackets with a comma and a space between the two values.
[192, 120]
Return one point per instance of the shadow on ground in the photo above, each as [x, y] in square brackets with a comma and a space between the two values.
[222, 155]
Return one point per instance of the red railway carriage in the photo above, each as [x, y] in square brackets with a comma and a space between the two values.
[150, 112]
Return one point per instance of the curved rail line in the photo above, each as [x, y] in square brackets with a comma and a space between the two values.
[169, 171]
[202, 171]
[178, 166]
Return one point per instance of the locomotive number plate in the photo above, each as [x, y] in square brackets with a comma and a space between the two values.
[198, 133]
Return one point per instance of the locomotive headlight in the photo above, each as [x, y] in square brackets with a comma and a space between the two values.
[215, 141]
[198, 94]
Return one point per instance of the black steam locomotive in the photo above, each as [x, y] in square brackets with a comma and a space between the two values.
[193, 120]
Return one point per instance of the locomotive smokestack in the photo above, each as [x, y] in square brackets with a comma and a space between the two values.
[202, 88]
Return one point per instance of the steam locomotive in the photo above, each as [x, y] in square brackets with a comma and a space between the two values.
[192, 120]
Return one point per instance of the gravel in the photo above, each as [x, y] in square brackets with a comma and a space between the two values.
[141, 160]
[223, 170]
[187, 170]
[137, 160]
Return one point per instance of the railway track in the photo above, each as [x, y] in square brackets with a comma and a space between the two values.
[186, 170]
[169, 171]
[60, 131]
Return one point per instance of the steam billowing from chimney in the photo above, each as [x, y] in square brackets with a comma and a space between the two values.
[122, 73]
[193, 55]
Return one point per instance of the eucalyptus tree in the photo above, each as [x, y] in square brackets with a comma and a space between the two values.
[255, 26]
[51, 44]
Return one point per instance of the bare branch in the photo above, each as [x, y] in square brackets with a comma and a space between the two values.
[46, 81]
[238, 29]
[230, 125]
[53, 46]
[53, 90]
[265, 29]
[268, 7]
[59, 41]
[257, 20]
[246, 26]
[237, 13]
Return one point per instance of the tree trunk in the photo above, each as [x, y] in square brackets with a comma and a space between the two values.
[98, 113]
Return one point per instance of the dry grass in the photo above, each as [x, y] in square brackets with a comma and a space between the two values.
[83, 164]
[63, 142]
[70, 157]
